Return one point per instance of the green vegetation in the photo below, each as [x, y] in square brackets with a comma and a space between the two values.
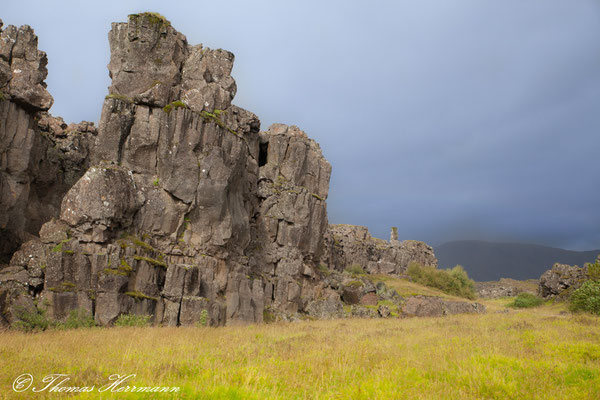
[204, 320]
[153, 17]
[593, 270]
[525, 300]
[316, 196]
[37, 320]
[355, 269]
[324, 269]
[123, 270]
[156, 182]
[453, 281]
[529, 354]
[1, 95]
[32, 320]
[115, 272]
[119, 97]
[174, 105]
[587, 297]
[65, 286]
[59, 247]
[151, 261]
[79, 318]
[125, 267]
[140, 296]
[133, 320]
[214, 118]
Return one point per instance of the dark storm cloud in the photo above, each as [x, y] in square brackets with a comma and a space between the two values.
[452, 120]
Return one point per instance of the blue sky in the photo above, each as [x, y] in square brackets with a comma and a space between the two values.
[472, 119]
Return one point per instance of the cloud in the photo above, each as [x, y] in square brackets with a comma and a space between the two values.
[462, 120]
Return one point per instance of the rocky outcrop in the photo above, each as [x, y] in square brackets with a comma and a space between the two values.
[428, 306]
[23, 68]
[349, 246]
[560, 281]
[40, 156]
[178, 206]
[505, 288]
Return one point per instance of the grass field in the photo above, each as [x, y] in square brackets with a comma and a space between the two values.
[540, 353]
[528, 354]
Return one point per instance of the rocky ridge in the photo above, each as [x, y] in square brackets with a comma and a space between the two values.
[178, 206]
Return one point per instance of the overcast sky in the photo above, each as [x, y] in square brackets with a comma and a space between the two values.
[469, 119]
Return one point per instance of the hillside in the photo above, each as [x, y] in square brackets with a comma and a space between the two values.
[485, 261]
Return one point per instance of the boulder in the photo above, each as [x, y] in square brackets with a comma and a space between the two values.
[561, 280]
[429, 306]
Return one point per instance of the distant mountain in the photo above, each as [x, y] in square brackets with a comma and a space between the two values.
[485, 261]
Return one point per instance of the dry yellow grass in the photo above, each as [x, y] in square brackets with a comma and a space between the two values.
[529, 354]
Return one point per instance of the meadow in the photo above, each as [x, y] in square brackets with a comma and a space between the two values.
[539, 353]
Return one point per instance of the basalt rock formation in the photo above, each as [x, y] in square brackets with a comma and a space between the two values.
[561, 280]
[177, 206]
[40, 156]
[349, 245]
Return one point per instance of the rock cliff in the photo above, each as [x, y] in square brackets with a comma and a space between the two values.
[177, 206]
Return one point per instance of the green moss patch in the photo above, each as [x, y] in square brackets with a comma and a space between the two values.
[174, 105]
[119, 97]
[151, 261]
[140, 296]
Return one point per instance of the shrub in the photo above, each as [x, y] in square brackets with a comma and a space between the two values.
[355, 269]
[204, 320]
[322, 268]
[79, 318]
[32, 320]
[593, 270]
[587, 297]
[133, 320]
[453, 281]
[525, 300]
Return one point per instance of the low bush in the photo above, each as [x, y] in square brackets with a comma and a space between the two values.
[593, 270]
[355, 269]
[453, 281]
[32, 320]
[587, 297]
[133, 320]
[79, 318]
[525, 300]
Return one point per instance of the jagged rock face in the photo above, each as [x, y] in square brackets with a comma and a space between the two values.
[152, 64]
[174, 217]
[178, 206]
[561, 281]
[292, 216]
[23, 68]
[40, 156]
[353, 246]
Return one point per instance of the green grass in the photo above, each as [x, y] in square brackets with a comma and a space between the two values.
[523, 354]
[355, 269]
[526, 300]
[132, 320]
